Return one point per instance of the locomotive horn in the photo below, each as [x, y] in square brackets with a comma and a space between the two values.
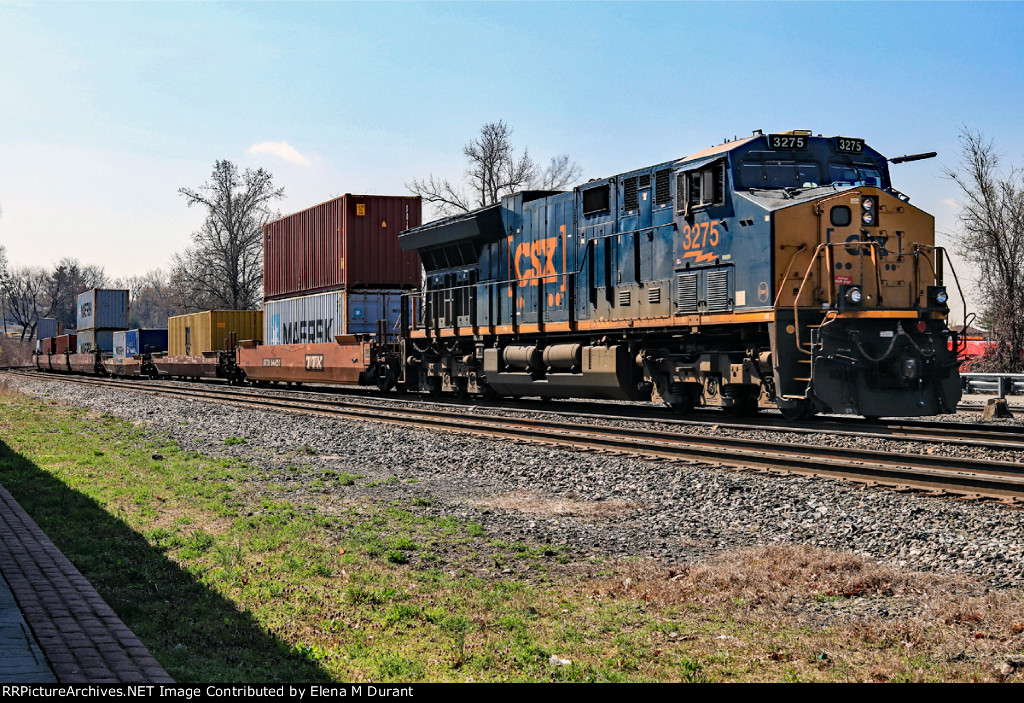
[912, 157]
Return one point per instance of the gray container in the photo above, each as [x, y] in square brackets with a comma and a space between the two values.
[103, 309]
[310, 319]
[120, 345]
[47, 328]
[90, 340]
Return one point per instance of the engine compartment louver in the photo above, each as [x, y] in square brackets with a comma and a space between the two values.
[629, 196]
[718, 290]
[686, 292]
[662, 187]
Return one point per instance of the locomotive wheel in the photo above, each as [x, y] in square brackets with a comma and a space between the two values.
[801, 411]
[745, 405]
[687, 402]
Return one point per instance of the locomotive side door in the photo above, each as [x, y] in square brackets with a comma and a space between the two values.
[557, 251]
[844, 265]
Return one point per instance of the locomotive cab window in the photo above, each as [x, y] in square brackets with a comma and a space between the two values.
[703, 188]
[855, 174]
[597, 200]
[780, 174]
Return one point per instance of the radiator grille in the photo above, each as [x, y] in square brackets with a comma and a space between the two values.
[718, 290]
[654, 296]
[645, 180]
[629, 198]
[686, 292]
[662, 187]
[624, 297]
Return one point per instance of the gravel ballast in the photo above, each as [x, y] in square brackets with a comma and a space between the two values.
[594, 504]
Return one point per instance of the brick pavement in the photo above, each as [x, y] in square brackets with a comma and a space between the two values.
[54, 626]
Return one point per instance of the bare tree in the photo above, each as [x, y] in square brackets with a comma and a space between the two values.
[493, 172]
[25, 297]
[992, 238]
[63, 285]
[224, 267]
[560, 172]
[150, 299]
[3, 285]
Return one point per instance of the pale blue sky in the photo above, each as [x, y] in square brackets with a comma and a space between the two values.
[106, 109]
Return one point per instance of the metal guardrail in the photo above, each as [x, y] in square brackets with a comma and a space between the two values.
[1002, 384]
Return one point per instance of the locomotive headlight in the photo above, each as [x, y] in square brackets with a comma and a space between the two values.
[869, 211]
[854, 296]
[937, 296]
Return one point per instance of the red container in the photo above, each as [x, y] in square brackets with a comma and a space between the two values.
[49, 345]
[348, 242]
[65, 343]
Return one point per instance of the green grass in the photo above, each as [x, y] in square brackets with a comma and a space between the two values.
[227, 584]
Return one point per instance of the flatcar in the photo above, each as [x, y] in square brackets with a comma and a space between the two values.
[778, 270]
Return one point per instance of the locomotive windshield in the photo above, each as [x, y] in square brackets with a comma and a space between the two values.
[856, 174]
[784, 170]
[779, 174]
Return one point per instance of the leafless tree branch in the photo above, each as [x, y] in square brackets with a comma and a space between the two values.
[493, 171]
[992, 238]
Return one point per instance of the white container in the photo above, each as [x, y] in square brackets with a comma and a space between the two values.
[311, 319]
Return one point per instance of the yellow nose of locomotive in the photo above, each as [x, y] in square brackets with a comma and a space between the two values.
[860, 291]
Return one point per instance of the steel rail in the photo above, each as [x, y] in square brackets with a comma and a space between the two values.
[982, 436]
[948, 474]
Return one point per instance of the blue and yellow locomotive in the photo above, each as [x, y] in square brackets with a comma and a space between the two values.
[779, 270]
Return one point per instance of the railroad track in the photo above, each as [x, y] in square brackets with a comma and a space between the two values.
[929, 472]
[977, 435]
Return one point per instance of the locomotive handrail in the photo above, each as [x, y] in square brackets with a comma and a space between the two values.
[417, 299]
[827, 248]
[956, 279]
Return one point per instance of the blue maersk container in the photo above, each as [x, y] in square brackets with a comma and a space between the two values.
[103, 309]
[142, 341]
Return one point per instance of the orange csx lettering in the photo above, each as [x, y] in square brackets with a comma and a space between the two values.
[534, 251]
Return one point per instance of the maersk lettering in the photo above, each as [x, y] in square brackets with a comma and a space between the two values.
[307, 331]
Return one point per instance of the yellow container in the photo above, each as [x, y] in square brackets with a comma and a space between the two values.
[213, 330]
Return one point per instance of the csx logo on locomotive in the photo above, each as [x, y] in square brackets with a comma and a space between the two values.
[540, 256]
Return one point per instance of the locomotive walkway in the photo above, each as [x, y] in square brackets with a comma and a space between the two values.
[54, 627]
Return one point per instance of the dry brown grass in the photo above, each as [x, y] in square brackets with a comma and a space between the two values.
[535, 504]
[770, 575]
[8, 392]
[874, 617]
